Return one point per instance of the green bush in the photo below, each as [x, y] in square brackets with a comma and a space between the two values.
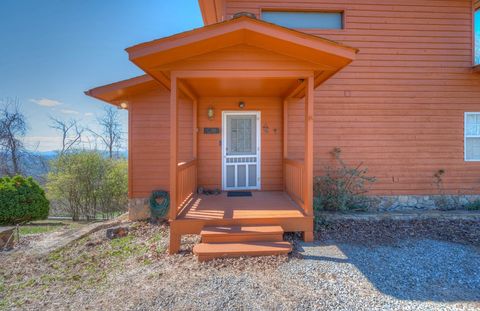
[86, 185]
[473, 206]
[21, 199]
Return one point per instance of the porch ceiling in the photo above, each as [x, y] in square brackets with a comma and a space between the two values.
[258, 87]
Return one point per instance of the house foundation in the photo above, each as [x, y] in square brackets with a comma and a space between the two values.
[138, 208]
[420, 202]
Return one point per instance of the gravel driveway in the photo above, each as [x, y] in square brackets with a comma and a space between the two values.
[411, 275]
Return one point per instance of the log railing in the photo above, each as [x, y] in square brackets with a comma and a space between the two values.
[186, 182]
[294, 180]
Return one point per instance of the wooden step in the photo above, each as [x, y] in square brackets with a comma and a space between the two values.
[208, 251]
[242, 234]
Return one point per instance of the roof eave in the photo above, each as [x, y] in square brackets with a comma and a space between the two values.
[115, 93]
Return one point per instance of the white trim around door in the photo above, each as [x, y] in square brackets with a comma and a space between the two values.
[241, 166]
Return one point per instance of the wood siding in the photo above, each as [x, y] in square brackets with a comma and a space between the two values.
[399, 107]
[149, 145]
[210, 150]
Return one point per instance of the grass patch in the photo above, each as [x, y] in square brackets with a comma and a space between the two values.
[48, 225]
[28, 230]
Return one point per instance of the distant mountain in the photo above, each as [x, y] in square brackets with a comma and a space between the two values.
[53, 153]
[37, 163]
[46, 154]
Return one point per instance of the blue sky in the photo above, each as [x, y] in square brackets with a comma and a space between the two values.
[51, 51]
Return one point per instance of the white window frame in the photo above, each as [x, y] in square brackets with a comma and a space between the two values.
[465, 136]
[475, 8]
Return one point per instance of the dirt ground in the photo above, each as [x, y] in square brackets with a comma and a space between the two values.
[135, 273]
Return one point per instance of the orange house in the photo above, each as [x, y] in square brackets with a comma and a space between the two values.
[257, 98]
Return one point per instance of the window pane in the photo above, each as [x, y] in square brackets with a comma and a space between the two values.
[477, 36]
[305, 20]
[472, 127]
[472, 148]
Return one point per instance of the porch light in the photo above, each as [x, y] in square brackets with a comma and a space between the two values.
[123, 105]
[210, 113]
[241, 105]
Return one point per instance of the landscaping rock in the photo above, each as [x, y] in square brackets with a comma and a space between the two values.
[7, 238]
[117, 232]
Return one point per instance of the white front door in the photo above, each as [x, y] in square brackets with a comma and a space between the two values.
[241, 150]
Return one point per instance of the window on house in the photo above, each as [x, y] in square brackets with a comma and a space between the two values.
[472, 136]
[305, 20]
[476, 33]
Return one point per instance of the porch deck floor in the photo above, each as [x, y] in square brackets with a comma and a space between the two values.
[262, 204]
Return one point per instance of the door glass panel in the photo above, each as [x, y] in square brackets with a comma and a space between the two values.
[252, 175]
[230, 176]
[242, 176]
[241, 135]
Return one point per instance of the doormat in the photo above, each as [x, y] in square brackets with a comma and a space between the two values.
[239, 194]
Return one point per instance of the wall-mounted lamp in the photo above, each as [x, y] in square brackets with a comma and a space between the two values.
[210, 113]
[123, 105]
[241, 105]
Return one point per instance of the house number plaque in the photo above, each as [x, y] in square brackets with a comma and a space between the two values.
[211, 130]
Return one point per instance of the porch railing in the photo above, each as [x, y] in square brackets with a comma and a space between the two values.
[186, 182]
[294, 180]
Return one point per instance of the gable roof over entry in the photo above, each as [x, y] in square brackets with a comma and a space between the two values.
[325, 56]
[322, 53]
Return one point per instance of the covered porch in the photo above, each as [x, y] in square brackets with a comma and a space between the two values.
[285, 201]
[249, 66]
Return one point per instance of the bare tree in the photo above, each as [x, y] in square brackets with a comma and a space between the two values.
[70, 130]
[111, 135]
[13, 127]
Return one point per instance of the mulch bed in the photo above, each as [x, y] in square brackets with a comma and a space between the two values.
[391, 230]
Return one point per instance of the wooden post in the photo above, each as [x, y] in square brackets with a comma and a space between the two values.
[174, 245]
[194, 128]
[195, 139]
[308, 159]
[173, 146]
[285, 141]
[308, 191]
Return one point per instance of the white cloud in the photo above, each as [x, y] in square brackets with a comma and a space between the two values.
[68, 111]
[46, 102]
[42, 143]
[88, 114]
[51, 143]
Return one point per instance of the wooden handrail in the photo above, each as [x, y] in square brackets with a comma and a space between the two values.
[186, 183]
[185, 165]
[296, 163]
[294, 180]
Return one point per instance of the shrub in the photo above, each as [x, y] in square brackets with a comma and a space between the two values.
[444, 201]
[342, 187]
[21, 199]
[86, 184]
[473, 206]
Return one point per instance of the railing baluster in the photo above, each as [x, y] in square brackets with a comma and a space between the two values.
[294, 180]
